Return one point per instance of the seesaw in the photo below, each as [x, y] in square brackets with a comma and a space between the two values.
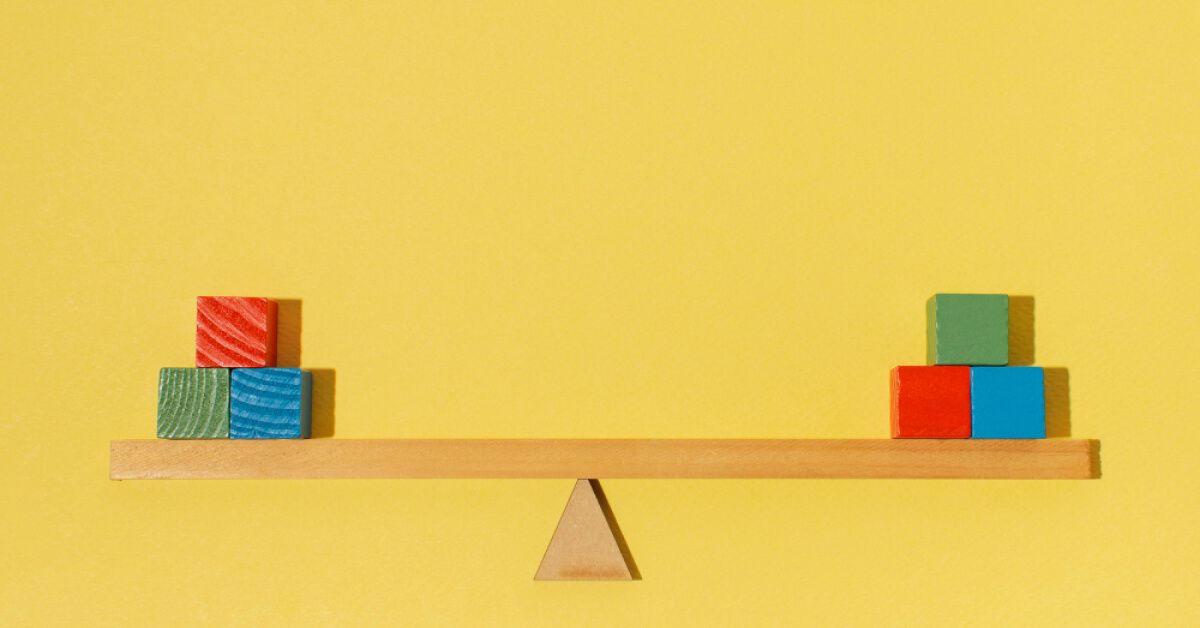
[587, 544]
[962, 415]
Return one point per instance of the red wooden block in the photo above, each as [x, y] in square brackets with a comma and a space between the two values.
[931, 402]
[235, 332]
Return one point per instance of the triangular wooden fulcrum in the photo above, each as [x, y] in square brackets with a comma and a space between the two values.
[587, 544]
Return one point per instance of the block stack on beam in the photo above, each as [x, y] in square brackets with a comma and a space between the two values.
[966, 389]
[235, 389]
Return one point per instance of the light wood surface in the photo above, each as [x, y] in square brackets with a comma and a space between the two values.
[607, 459]
[584, 545]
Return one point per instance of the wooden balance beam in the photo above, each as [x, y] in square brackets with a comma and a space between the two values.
[587, 544]
[602, 458]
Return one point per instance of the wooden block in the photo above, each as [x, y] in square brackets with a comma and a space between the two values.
[966, 329]
[338, 458]
[1008, 402]
[270, 403]
[235, 331]
[193, 403]
[931, 402]
[584, 546]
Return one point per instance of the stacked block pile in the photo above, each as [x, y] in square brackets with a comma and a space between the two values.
[966, 389]
[235, 390]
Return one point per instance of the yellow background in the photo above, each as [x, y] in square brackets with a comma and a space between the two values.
[598, 220]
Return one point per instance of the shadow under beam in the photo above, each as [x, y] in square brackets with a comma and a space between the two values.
[1095, 447]
[616, 529]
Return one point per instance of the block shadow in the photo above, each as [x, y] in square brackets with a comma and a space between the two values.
[289, 323]
[1058, 401]
[616, 529]
[1022, 352]
[1020, 330]
[324, 406]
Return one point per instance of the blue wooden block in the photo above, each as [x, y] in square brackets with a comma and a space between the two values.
[270, 403]
[1008, 402]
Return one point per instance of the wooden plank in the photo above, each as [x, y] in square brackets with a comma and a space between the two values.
[584, 545]
[631, 458]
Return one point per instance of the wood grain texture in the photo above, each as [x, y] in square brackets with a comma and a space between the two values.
[193, 403]
[235, 331]
[270, 403]
[632, 458]
[584, 545]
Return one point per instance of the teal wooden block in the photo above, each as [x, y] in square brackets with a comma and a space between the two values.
[967, 329]
[1008, 402]
[270, 403]
[193, 403]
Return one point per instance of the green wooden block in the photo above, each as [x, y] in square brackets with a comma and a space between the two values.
[193, 403]
[967, 329]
